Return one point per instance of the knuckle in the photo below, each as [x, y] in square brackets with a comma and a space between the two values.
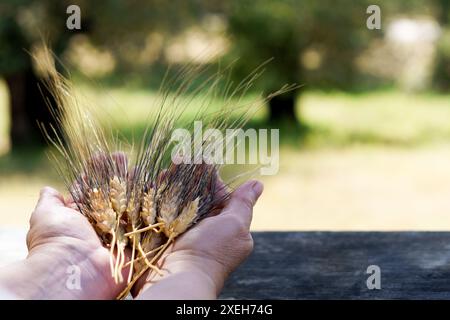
[242, 230]
[28, 240]
[46, 190]
[244, 202]
[237, 224]
[249, 245]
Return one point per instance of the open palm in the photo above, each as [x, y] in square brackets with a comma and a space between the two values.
[206, 254]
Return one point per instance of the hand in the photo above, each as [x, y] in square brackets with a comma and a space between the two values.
[198, 263]
[62, 246]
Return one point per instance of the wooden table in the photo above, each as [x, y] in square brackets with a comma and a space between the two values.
[333, 265]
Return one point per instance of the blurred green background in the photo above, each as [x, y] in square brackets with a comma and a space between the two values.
[365, 141]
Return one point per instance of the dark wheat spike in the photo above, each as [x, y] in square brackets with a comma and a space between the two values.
[143, 201]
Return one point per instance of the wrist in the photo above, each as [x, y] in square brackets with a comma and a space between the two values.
[27, 280]
[55, 271]
[201, 276]
[201, 264]
[14, 282]
[188, 284]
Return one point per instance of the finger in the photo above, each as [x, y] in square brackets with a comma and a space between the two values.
[71, 203]
[221, 194]
[242, 201]
[221, 190]
[50, 197]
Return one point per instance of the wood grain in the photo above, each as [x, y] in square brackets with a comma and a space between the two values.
[332, 265]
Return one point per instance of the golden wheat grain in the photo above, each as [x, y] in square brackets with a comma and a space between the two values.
[148, 212]
[144, 211]
[117, 195]
[181, 223]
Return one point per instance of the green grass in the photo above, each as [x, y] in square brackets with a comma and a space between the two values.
[381, 118]
[329, 120]
[371, 161]
[333, 119]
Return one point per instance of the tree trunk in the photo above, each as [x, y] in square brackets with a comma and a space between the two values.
[282, 108]
[20, 130]
[28, 107]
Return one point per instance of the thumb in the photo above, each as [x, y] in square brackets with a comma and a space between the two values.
[49, 197]
[242, 201]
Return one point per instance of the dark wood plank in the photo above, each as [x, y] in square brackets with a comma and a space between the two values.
[332, 265]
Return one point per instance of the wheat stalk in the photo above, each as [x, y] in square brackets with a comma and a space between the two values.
[144, 205]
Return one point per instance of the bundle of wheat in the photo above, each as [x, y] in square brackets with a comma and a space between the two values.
[143, 204]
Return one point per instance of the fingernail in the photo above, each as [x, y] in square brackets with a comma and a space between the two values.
[257, 188]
